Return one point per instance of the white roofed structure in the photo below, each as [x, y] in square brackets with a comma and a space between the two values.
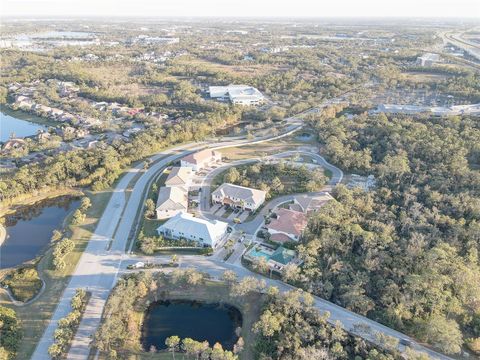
[186, 226]
[237, 94]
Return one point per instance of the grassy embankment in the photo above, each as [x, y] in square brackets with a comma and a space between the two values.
[35, 316]
[210, 292]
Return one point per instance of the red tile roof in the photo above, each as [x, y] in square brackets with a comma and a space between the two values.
[289, 221]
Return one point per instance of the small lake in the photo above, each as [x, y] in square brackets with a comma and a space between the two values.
[190, 319]
[9, 124]
[30, 228]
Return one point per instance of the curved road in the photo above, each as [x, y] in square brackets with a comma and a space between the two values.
[252, 226]
[99, 266]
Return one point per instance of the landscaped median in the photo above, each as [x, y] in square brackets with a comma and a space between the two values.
[67, 327]
[34, 316]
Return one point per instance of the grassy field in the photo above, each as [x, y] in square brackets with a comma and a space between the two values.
[149, 226]
[211, 292]
[35, 316]
[289, 143]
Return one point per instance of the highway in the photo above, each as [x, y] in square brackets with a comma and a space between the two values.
[457, 40]
[105, 257]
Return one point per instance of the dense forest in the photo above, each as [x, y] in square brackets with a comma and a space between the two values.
[407, 253]
[276, 179]
[290, 327]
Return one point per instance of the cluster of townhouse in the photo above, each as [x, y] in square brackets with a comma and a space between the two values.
[239, 197]
[172, 203]
[23, 96]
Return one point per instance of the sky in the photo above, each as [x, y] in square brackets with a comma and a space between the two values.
[243, 8]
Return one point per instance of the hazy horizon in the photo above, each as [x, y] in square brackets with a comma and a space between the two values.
[467, 9]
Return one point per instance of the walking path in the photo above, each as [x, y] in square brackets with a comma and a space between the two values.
[97, 269]
[105, 257]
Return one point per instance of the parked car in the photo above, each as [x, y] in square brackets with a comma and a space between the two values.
[237, 221]
[137, 265]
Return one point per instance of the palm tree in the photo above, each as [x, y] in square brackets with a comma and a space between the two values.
[172, 342]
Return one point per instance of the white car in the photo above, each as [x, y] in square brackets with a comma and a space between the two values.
[139, 265]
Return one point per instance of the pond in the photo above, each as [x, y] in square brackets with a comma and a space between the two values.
[10, 123]
[190, 319]
[30, 228]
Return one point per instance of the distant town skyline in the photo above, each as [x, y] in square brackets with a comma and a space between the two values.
[254, 8]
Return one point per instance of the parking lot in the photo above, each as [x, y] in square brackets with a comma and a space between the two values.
[229, 213]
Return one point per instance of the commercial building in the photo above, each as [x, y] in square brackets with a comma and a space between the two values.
[237, 94]
[201, 159]
[470, 109]
[240, 197]
[171, 201]
[428, 59]
[186, 226]
[287, 226]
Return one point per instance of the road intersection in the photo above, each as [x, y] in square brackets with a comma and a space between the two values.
[105, 259]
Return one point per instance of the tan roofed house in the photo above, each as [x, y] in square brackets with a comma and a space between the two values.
[180, 176]
[239, 196]
[171, 201]
[308, 204]
[288, 226]
[201, 159]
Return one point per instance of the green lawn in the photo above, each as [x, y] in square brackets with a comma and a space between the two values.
[211, 292]
[34, 317]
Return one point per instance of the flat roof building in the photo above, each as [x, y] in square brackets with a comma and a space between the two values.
[428, 59]
[237, 94]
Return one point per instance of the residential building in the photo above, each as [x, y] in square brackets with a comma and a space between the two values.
[308, 203]
[239, 196]
[56, 112]
[180, 176]
[14, 143]
[237, 94]
[287, 226]
[186, 226]
[171, 201]
[201, 159]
